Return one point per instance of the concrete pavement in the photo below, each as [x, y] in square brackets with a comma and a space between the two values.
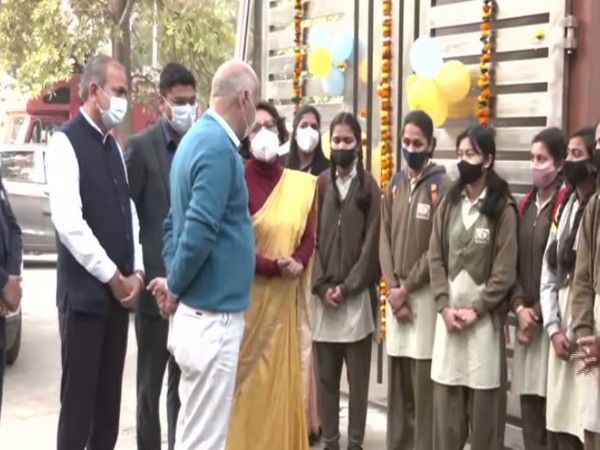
[32, 385]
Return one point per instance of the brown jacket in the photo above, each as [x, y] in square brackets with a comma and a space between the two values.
[347, 240]
[406, 223]
[586, 282]
[502, 251]
[533, 236]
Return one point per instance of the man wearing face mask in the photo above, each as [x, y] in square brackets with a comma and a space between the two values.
[100, 268]
[148, 157]
[209, 255]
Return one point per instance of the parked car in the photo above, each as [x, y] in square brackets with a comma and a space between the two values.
[23, 172]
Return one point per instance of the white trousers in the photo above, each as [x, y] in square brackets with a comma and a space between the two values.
[206, 347]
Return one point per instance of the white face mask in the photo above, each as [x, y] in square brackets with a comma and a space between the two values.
[183, 117]
[265, 145]
[307, 139]
[116, 111]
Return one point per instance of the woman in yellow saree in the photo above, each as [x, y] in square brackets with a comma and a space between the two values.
[268, 406]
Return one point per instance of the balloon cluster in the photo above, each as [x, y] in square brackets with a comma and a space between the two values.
[435, 84]
[328, 55]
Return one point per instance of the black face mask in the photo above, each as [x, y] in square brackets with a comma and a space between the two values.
[343, 158]
[576, 171]
[415, 160]
[469, 173]
[596, 159]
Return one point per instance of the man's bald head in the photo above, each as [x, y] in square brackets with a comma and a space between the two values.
[233, 78]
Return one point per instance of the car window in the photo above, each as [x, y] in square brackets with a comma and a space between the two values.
[43, 131]
[23, 166]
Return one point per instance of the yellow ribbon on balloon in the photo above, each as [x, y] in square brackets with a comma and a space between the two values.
[320, 62]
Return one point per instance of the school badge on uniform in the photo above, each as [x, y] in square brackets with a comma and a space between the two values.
[423, 211]
[482, 236]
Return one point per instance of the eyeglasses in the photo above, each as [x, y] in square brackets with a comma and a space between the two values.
[269, 126]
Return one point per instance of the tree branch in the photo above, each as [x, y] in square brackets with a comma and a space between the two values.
[126, 13]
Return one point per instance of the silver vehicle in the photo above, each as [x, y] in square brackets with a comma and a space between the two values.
[24, 176]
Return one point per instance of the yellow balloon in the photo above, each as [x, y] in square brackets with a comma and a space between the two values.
[320, 62]
[410, 81]
[423, 93]
[363, 70]
[438, 112]
[454, 81]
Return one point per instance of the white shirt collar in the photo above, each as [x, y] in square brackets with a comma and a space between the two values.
[350, 176]
[215, 115]
[477, 200]
[87, 117]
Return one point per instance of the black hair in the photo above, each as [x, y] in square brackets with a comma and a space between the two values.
[174, 74]
[483, 140]
[566, 256]
[588, 136]
[421, 120]
[293, 160]
[282, 132]
[555, 141]
[363, 200]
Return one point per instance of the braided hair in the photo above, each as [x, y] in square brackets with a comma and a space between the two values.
[363, 200]
[565, 257]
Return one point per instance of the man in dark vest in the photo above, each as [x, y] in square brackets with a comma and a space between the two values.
[11, 250]
[100, 268]
[148, 158]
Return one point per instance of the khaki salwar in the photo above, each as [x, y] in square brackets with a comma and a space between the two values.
[592, 441]
[409, 422]
[533, 422]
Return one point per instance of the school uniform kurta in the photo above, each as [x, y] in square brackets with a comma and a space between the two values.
[563, 410]
[407, 214]
[473, 265]
[347, 255]
[585, 313]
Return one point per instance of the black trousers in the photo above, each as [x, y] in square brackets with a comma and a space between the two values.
[153, 358]
[93, 355]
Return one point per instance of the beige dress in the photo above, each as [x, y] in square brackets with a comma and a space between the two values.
[591, 385]
[470, 358]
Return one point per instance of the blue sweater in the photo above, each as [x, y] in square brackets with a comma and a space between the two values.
[209, 248]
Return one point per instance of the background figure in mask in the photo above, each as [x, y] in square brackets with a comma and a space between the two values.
[306, 151]
[100, 268]
[472, 265]
[407, 212]
[268, 408]
[536, 210]
[148, 157]
[586, 313]
[563, 401]
[209, 255]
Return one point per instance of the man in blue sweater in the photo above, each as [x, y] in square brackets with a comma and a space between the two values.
[209, 254]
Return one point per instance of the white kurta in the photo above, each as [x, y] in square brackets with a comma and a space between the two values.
[530, 366]
[563, 405]
[413, 340]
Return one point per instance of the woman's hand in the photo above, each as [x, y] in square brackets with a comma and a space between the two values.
[452, 319]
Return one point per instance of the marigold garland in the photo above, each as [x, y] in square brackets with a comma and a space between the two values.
[483, 108]
[385, 92]
[298, 59]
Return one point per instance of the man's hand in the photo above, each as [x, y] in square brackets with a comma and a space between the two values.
[452, 319]
[528, 319]
[167, 302]
[118, 287]
[134, 286]
[338, 295]
[562, 345]
[12, 293]
[589, 354]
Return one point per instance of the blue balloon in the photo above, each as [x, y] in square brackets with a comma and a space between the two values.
[335, 84]
[342, 46]
[319, 36]
[426, 57]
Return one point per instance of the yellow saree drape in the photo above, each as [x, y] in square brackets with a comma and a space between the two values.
[268, 406]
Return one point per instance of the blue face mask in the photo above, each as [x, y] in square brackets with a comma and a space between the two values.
[415, 160]
[116, 111]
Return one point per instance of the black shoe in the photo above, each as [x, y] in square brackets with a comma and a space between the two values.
[314, 438]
